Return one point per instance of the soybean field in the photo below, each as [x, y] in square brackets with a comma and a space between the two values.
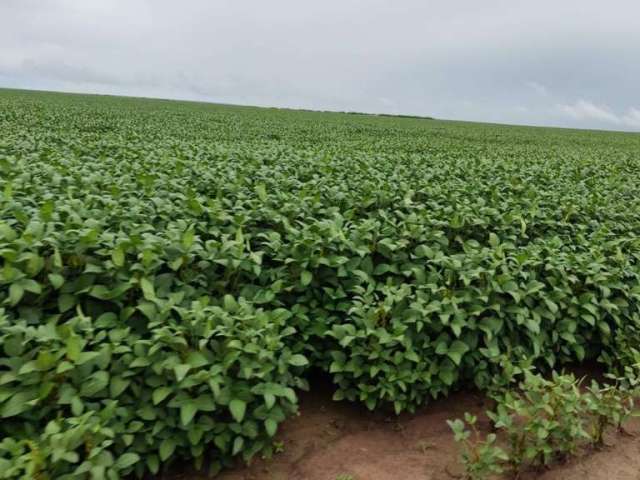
[173, 274]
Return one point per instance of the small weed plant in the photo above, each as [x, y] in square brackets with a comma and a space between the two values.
[541, 422]
[480, 457]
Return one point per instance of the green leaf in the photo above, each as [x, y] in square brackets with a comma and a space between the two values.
[230, 304]
[85, 357]
[153, 463]
[96, 382]
[238, 408]
[187, 412]
[271, 426]
[188, 237]
[494, 241]
[16, 404]
[269, 400]
[14, 346]
[181, 371]
[552, 305]
[261, 190]
[148, 309]
[6, 232]
[66, 302]
[74, 347]
[101, 292]
[127, 460]
[298, 360]
[147, 289]
[98, 472]
[456, 350]
[46, 210]
[238, 443]
[31, 286]
[167, 447]
[305, 277]
[442, 347]
[290, 394]
[16, 291]
[160, 393]
[117, 257]
[117, 386]
[447, 374]
[56, 280]
[423, 251]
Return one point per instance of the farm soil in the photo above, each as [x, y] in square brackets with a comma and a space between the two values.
[329, 439]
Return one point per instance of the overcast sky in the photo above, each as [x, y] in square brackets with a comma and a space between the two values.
[547, 62]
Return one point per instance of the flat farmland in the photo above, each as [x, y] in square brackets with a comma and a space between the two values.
[175, 275]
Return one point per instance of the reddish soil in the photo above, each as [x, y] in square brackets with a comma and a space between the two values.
[333, 439]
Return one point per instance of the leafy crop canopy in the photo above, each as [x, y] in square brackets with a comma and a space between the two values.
[171, 270]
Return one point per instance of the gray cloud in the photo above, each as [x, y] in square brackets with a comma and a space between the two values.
[632, 118]
[570, 63]
[538, 88]
[584, 110]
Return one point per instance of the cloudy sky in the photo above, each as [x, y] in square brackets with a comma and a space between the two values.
[545, 62]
